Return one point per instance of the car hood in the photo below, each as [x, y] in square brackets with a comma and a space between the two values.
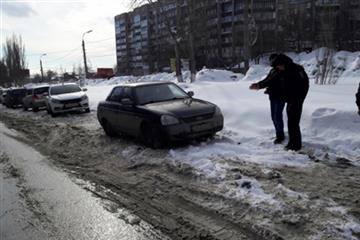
[68, 96]
[182, 108]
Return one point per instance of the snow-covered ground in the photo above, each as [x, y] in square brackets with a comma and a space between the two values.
[330, 124]
[243, 155]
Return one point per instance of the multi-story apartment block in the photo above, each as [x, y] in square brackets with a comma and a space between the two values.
[224, 35]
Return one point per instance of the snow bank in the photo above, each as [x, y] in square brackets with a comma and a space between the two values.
[329, 124]
[256, 72]
[214, 75]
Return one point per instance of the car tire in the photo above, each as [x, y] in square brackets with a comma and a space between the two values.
[152, 137]
[35, 109]
[109, 131]
[87, 110]
[25, 108]
[51, 112]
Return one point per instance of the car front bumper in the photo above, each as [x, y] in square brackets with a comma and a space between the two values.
[64, 108]
[194, 130]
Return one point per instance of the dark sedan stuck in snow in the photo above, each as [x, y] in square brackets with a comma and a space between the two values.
[158, 112]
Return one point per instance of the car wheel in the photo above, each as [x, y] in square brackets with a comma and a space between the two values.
[87, 110]
[35, 109]
[25, 108]
[51, 112]
[108, 128]
[152, 136]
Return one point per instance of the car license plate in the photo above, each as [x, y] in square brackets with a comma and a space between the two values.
[201, 127]
[71, 105]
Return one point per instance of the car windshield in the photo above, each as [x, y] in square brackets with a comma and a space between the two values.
[41, 90]
[158, 93]
[18, 92]
[56, 90]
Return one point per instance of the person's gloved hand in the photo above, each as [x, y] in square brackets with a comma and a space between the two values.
[254, 86]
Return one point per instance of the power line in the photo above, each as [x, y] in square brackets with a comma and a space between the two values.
[102, 40]
[66, 55]
[113, 55]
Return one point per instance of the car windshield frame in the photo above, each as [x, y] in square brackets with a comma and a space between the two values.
[64, 89]
[154, 93]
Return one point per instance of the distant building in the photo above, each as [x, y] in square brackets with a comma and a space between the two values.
[220, 27]
[104, 73]
[24, 73]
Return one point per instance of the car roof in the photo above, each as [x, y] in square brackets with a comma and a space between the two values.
[139, 84]
[64, 84]
[38, 86]
[42, 86]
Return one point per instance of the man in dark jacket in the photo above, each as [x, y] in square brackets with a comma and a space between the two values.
[358, 99]
[274, 84]
[296, 88]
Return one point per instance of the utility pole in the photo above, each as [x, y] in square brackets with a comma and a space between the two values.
[41, 68]
[246, 35]
[84, 53]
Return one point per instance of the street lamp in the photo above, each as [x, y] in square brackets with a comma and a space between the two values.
[84, 53]
[41, 67]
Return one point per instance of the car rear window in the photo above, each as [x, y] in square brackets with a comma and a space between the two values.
[56, 90]
[18, 92]
[41, 90]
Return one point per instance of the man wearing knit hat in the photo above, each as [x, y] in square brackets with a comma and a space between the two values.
[274, 85]
[296, 88]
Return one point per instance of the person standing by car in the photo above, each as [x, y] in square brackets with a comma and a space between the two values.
[296, 87]
[358, 99]
[274, 84]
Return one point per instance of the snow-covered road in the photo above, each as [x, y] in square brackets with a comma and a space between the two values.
[222, 197]
[40, 202]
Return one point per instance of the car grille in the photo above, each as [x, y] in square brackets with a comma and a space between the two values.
[198, 118]
[71, 101]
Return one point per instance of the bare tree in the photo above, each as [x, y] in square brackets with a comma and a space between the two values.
[325, 56]
[191, 29]
[50, 75]
[14, 58]
[4, 78]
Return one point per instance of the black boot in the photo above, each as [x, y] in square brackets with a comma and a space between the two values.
[292, 147]
[279, 138]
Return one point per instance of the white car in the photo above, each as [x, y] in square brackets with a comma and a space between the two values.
[66, 98]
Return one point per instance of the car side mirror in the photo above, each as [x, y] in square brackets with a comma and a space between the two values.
[84, 89]
[127, 102]
[191, 94]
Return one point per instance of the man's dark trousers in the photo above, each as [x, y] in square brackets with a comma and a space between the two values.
[277, 108]
[294, 110]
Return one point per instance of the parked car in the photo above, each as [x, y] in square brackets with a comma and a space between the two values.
[35, 98]
[157, 113]
[1, 95]
[66, 98]
[14, 97]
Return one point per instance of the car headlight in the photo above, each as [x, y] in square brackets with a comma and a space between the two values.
[169, 120]
[217, 111]
[55, 101]
[84, 97]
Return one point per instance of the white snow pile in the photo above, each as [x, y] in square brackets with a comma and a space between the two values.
[215, 75]
[256, 72]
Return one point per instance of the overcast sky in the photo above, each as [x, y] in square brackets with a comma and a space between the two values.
[55, 27]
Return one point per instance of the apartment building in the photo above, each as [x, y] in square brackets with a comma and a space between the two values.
[224, 35]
